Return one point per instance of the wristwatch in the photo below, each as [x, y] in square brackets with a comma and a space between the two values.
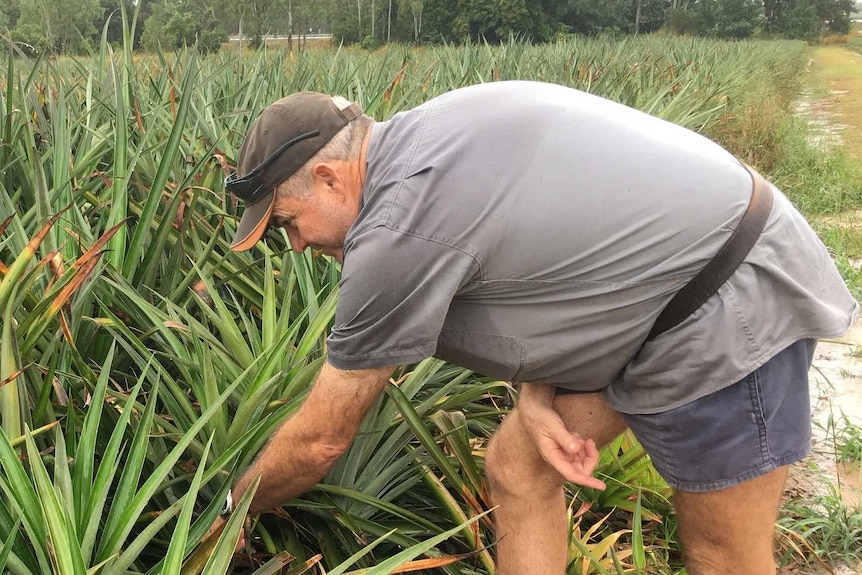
[228, 506]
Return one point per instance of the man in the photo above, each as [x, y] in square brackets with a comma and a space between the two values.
[535, 233]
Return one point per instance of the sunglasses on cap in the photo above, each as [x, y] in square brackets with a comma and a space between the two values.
[252, 186]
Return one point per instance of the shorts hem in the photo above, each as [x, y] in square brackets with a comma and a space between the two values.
[707, 486]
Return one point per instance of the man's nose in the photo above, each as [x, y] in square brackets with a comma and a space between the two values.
[297, 244]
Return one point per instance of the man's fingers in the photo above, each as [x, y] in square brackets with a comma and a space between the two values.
[216, 530]
[574, 469]
[580, 472]
[587, 481]
[240, 544]
[566, 441]
[572, 457]
[592, 451]
[575, 475]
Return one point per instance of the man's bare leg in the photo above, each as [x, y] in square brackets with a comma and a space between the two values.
[530, 518]
[732, 530]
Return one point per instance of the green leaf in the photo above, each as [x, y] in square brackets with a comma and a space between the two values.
[126, 519]
[403, 557]
[10, 371]
[169, 154]
[63, 542]
[638, 553]
[177, 548]
[222, 554]
[7, 545]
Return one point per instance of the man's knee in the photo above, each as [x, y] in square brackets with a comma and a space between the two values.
[717, 548]
[501, 454]
[731, 527]
[513, 463]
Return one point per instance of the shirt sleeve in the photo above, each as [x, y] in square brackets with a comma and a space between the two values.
[394, 296]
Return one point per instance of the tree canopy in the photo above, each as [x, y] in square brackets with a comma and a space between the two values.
[74, 25]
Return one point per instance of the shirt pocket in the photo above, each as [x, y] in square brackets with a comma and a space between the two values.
[492, 355]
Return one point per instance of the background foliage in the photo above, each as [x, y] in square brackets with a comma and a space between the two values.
[74, 26]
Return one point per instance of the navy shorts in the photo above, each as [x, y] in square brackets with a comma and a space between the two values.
[738, 433]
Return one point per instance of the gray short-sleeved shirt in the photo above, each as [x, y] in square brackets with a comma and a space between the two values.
[532, 232]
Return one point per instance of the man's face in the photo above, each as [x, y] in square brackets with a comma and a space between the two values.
[321, 220]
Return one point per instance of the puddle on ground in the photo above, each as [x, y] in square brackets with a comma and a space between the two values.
[826, 133]
[836, 389]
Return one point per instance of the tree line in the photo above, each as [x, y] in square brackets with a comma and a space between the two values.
[75, 26]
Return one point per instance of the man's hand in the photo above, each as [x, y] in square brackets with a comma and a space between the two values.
[573, 457]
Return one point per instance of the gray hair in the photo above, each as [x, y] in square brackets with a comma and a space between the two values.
[344, 146]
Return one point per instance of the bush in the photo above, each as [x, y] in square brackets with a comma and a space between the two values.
[801, 22]
[172, 28]
[210, 40]
[30, 39]
[369, 43]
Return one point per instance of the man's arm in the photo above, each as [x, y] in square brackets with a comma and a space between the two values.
[308, 444]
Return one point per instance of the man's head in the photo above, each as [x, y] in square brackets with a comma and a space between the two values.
[302, 143]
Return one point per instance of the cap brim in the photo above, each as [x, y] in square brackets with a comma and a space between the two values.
[253, 224]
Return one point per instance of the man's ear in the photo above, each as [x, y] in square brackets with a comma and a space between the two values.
[326, 172]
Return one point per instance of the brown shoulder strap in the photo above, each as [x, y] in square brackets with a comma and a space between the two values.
[695, 293]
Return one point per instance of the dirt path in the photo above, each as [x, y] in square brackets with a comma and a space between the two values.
[837, 72]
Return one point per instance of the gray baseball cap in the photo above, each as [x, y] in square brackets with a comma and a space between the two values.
[286, 135]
